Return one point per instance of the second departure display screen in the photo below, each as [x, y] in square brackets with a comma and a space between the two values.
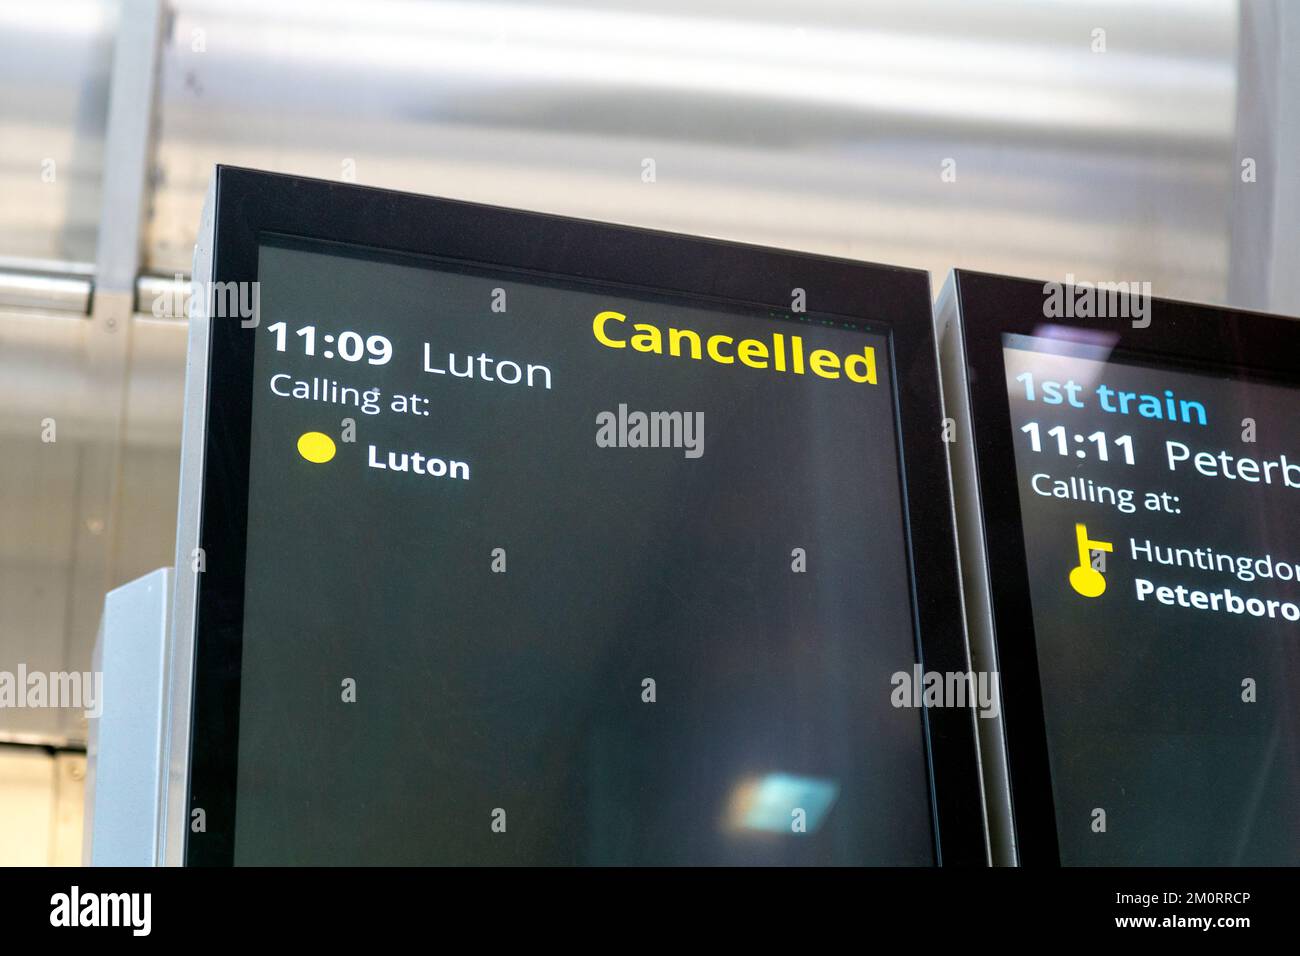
[1161, 512]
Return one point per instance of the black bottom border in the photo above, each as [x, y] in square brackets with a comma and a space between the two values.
[371, 905]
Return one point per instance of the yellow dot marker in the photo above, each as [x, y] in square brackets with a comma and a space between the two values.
[316, 447]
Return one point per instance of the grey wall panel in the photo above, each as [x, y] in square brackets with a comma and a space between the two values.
[819, 125]
[54, 62]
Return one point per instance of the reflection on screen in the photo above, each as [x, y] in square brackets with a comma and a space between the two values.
[1161, 513]
[540, 574]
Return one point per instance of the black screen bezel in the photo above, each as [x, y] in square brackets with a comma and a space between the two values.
[250, 205]
[1182, 336]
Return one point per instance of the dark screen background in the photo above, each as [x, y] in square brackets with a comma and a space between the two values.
[523, 691]
[1143, 702]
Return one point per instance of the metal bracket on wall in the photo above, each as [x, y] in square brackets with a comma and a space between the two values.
[128, 161]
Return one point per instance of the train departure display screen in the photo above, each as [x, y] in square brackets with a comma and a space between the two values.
[1160, 506]
[546, 572]
[541, 541]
